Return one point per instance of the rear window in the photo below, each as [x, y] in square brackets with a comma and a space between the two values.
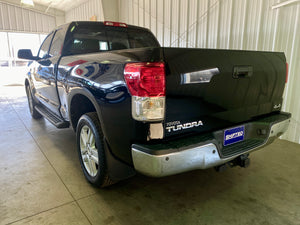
[99, 38]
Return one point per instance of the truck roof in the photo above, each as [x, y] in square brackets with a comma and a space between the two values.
[101, 23]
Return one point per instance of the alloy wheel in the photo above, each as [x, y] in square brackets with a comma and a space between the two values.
[89, 151]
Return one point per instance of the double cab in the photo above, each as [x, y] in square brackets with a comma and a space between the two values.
[138, 107]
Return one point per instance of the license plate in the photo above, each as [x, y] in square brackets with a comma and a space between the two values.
[234, 135]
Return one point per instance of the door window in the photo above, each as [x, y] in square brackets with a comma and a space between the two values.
[57, 43]
[43, 53]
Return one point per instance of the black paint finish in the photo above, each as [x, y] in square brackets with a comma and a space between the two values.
[225, 101]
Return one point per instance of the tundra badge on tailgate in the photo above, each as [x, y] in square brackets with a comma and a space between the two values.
[176, 125]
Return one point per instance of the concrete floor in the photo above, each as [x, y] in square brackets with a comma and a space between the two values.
[42, 183]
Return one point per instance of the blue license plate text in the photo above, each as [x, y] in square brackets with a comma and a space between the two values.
[234, 135]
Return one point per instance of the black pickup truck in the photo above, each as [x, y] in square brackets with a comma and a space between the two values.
[137, 106]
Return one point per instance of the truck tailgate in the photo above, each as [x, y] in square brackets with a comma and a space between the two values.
[210, 89]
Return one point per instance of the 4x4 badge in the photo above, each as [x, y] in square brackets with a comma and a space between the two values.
[277, 106]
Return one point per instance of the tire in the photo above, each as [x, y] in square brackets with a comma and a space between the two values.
[91, 150]
[31, 104]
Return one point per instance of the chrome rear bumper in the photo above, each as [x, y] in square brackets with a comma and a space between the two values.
[156, 163]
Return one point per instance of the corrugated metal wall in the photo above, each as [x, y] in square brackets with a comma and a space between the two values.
[15, 18]
[85, 11]
[227, 24]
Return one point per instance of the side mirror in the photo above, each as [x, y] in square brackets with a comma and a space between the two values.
[26, 54]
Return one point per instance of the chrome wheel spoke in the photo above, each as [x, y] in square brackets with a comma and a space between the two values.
[90, 136]
[94, 151]
[92, 141]
[83, 150]
[84, 135]
[85, 158]
[88, 150]
[94, 159]
[90, 166]
[93, 167]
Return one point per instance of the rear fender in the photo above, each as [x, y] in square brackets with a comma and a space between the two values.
[85, 92]
[117, 169]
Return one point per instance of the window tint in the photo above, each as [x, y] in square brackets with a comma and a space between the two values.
[57, 43]
[85, 39]
[141, 39]
[118, 38]
[43, 53]
[96, 38]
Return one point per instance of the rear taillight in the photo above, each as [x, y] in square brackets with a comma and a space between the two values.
[286, 72]
[145, 79]
[146, 84]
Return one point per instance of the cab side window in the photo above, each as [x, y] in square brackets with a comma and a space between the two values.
[43, 53]
[57, 43]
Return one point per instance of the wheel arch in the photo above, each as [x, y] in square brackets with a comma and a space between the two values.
[81, 101]
[117, 169]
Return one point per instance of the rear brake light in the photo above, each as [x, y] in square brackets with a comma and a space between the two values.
[146, 84]
[114, 24]
[145, 79]
[286, 72]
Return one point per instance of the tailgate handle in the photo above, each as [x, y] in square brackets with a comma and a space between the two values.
[242, 71]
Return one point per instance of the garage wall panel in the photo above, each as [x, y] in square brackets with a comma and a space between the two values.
[26, 19]
[19, 18]
[202, 28]
[140, 4]
[192, 23]
[160, 21]
[175, 23]
[5, 21]
[38, 22]
[12, 17]
[85, 11]
[4, 14]
[166, 23]
[268, 26]
[16, 18]
[33, 22]
[131, 14]
[153, 16]
[237, 24]
[213, 22]
[147, 12]
[224, 27]
[183, 23]
[227, 24]
[136, 12]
